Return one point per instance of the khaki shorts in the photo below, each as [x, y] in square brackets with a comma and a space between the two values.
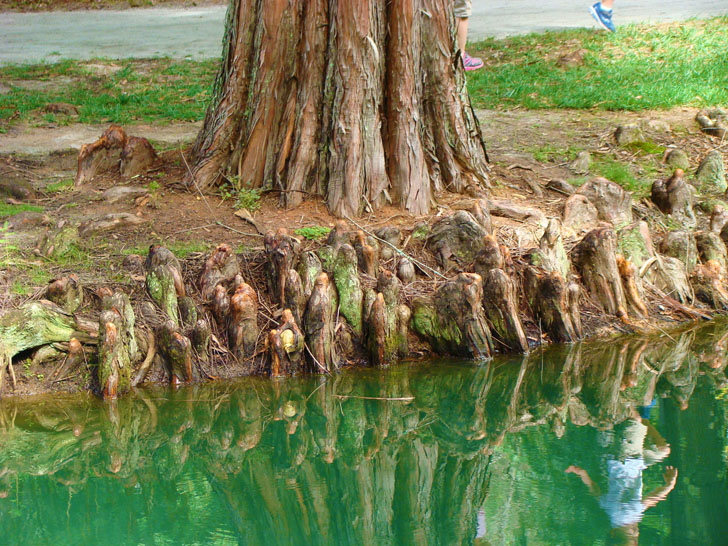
[463, 8]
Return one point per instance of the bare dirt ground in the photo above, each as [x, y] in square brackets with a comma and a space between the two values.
[527, 149]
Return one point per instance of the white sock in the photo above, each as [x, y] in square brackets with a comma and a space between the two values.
[604, 9]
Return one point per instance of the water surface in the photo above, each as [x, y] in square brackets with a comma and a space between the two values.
[447, 452]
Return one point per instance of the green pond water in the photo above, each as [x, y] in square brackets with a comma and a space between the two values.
[445, 452]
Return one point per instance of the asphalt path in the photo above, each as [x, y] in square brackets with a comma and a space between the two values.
[197, 32]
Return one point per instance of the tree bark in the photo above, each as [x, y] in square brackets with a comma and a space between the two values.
[361, 103]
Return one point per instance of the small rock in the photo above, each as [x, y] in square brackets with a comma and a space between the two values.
[713, 122]
[675, 197]
[628, 134]
[582, 162]
[613, 204]
[718, 218]
[458, 235]
[508, 209]
[711, 247]
[579, 214]
[659, 126]
[560, 186]
[479, 208]
[711, 173]
[391, 235]
[133, 262]
[107, 222]
[116, 193]
[61, 108]
[406, 271]
[677, 158]
[137, 157]
[26, 220]
[680, 245]
[17, 189]
[635, 243]
[57, 242]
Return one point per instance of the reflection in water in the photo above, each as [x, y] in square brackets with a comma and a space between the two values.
[438, 454]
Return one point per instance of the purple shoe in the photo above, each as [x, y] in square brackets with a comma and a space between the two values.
[472, 63]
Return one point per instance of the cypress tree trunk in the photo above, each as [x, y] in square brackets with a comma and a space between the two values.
[361, 102]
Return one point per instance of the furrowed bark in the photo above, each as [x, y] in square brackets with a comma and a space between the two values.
[303, 93]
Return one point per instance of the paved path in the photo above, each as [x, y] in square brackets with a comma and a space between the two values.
[197, 32]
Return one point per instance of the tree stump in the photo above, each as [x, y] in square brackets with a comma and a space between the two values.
[458, 236]
[200, 338]
[117, 345]
[220, 268]
[319, 327]
[629, 282]
[57, 242]
[711, 248]
[285, 347]
[280, 251]
[161, 287]
[501, 308]
[348, 286]
[553, 304]
[384, 322]
[32, 325]
[681, 245]
[491, 256]
[176, 351]
[391, 235]
[452, 320]
[101, 156]
[551, 254]
[405, 270]
[674, 197]
[595, 258]
[295, 299]
[221, 305]
[66, 292]
[708, 281]
[308, 269]
[243, 325]
[366, 254]
[137, 157]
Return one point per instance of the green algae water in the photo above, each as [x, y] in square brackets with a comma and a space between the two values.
[597, 443]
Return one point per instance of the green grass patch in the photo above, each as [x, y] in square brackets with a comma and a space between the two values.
[158, 90]
[313, 233]
[646, 148]
[60, 186]
[639, 67]
[182, 249]
[548, 153]
[6, 209]
[622, 174]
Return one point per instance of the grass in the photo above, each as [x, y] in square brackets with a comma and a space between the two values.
[181, 249]
[640, 67]
[150, 91]
[60, 186]
[313, 233]
[6, 209]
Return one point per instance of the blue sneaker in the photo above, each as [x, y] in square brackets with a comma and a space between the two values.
[602, 16]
